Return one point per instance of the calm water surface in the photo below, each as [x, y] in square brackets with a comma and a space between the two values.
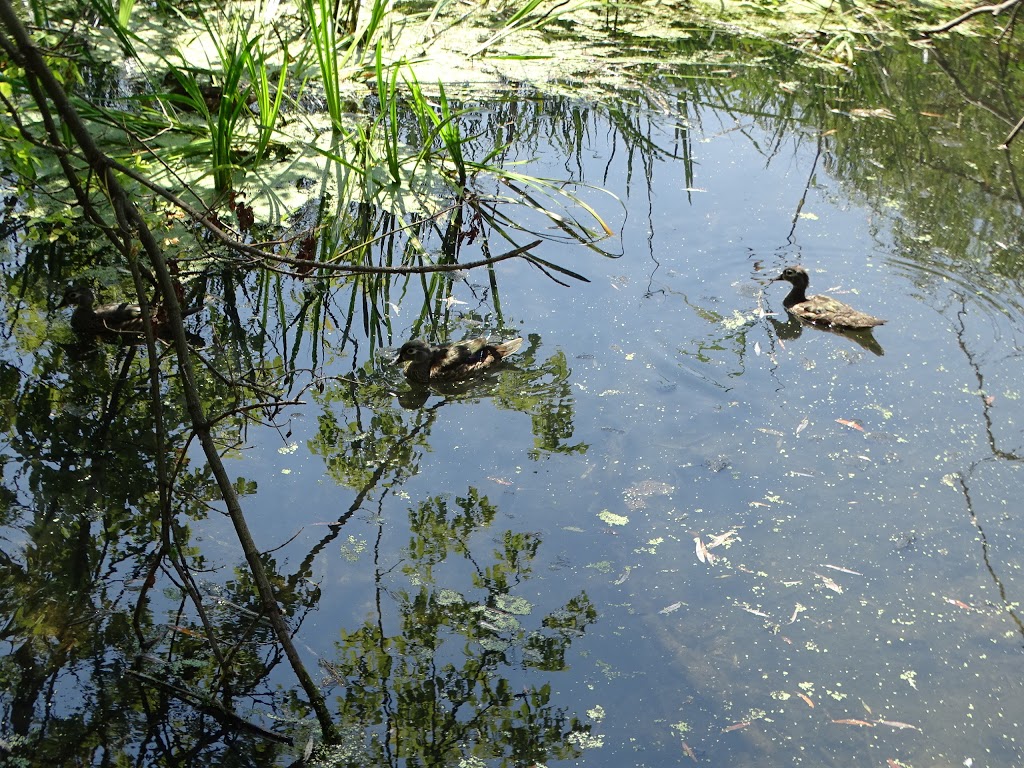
[863, 603]
[861, 599]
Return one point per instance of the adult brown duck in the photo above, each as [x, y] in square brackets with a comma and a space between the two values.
[425, 363]
[114, 321]
[821, 310]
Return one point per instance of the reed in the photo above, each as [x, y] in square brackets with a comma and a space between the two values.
[267, 90]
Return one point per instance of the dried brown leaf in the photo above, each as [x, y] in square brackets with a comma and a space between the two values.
[851, 423]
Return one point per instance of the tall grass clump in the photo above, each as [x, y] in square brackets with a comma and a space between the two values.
[267, 91]
[337, 49]
[221, 106]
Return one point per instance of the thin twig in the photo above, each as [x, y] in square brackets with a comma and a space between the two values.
[1016, 129]
[995, 10]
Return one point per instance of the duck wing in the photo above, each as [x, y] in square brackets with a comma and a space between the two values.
[467, 357]
[116, 316]
[828, 311]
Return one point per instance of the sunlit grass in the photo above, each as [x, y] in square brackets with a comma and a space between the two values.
[336, 52]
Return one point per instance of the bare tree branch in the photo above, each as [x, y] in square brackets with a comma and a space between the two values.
[133, 229]
[995, 10]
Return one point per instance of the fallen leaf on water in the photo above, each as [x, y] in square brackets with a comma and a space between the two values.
[876, 112]
[830, 584]
[958, 603]
[841, 569]
[702, 552]
[797, 610]
[757, 348]
[897, 724]
[802, 425]
[760, 504]
[748, 609]
[499, 480]
[671, 608]
[990, 399]
[775, 432]
[185, 630]
[688, 751]
[722, 538]
[851, 423]
[807, 700]
[736, 726]
[852, 721]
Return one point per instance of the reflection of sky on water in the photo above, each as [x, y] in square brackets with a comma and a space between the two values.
[824, 459]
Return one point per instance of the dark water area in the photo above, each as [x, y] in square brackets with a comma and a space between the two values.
[678, 527]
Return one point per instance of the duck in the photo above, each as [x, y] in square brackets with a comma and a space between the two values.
[426, 363]
[113, 320]
[821, 310]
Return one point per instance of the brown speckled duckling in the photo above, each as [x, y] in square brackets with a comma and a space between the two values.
[424, 363]
[821, 310]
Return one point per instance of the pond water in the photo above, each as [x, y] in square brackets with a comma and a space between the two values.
[676, 528]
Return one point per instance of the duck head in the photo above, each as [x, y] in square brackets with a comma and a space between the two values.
[796, 275]
[415, 351]
[78, 296]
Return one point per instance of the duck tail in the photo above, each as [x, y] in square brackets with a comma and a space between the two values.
[509, 347]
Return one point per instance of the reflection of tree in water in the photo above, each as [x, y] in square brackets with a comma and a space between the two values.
[145, 656]
[94, 654]
[441, 673]
[963, 481]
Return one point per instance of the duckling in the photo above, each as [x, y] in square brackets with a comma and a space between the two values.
[424, 363]
[112, 320]
[821, 310]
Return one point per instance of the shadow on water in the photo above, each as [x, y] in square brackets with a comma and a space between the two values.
[694, 541]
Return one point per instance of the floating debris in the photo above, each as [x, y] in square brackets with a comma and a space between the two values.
[829, 583]
[636, 496]
[841, 569]
[702, 552]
